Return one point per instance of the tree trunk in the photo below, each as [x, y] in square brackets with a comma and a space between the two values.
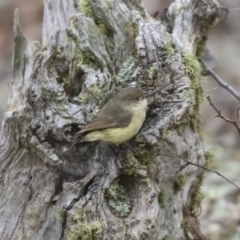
[90, 49]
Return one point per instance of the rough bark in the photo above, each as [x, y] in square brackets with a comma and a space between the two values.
[89, 49]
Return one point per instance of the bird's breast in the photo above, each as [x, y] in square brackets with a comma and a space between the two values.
[120, 135]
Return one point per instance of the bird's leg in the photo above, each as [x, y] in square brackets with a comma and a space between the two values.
[114, 148]
[117, 149]
[123, 147]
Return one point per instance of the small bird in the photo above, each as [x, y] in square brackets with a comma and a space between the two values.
[118, 121]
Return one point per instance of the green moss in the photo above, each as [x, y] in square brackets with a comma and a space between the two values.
[184, 225]
[141, 152]
[145, 180]
[151, 72]
[166, 237]
[89, 59]
[166, 134]
[102, 28]
[201, 47]
[59, 213]
[118, 200]
[193, 71]
[140, 140]
[196, 199]
[83, 229]
[192, 67]
[210, 155]
[20, 46]
[143, 157]
[170, 21]
[84, 98]
[138, 159]
[86, 7]
[180, 182]
[162, 196]
[133, 28]
[126, 72]
[215, 22]
[79, 59]
[197, 196]
[93, 92]
[133, 164]
[169, 47]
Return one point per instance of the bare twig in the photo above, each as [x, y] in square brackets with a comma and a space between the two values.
[238, 121]
[210, 170]
[221, 82]
[226, 13]
[219, 114]
[227, 10]
[230, 9]
[203, 167]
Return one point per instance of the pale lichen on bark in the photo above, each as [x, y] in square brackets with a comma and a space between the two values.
[89, 49]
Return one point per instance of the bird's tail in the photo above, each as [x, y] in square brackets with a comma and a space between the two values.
[77, 139]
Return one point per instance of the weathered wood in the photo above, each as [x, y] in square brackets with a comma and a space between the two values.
[89, 49]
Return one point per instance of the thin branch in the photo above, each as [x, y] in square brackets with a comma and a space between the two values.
[221, 82]
[226, 14]
[230, 9]
[203, 167]
[210, 170]
[227, 10]
[219, 114]
[238, 121]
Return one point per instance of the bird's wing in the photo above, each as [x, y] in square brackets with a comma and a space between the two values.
[119, 118]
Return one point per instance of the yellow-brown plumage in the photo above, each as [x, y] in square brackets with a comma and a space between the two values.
[118, 121]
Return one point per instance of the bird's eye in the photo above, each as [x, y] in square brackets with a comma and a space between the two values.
[135, 99]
